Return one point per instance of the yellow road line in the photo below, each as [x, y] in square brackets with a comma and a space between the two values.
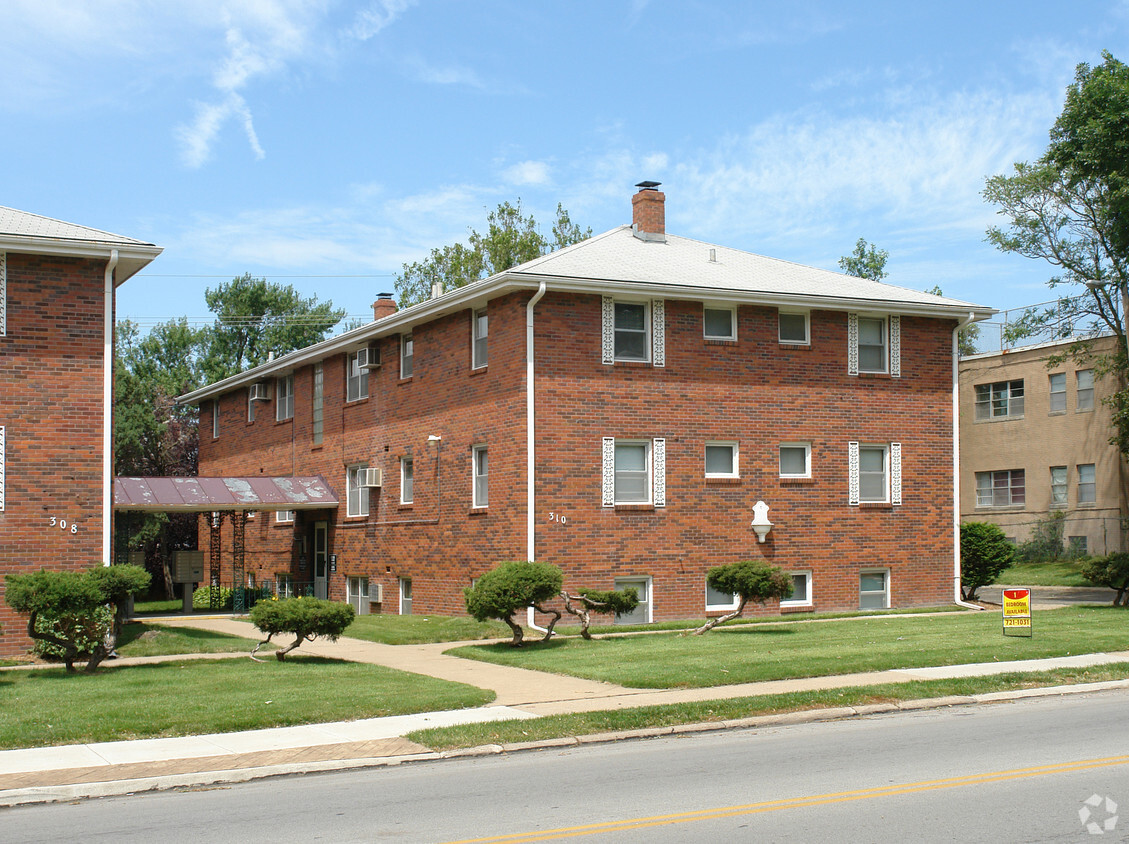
[799, 802]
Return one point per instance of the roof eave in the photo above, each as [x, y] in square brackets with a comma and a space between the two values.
[132, 257]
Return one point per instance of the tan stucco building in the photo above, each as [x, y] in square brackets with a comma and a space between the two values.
[1035, 440]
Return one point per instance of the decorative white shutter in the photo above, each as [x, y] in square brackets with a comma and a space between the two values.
[896, 346]
[3, 294]
[607, 329]
[658, 472]
[852, 473]
[895, 473]
[853, 345]
[1, 468]
[658, 332]
[609, 472]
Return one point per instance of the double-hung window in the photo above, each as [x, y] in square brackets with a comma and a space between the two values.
[284, 399]
[719, 323]
[357, 379]
[1001, 400]
[631, 331]
[872, 344]
[632, 472]
[1084, 399]
[317, 411]
[3, 294]
[794, 328]
[250, 406]
[721, 460]
[407, 352]
[356, 495]
[480, 330]
[215, 419]
[1057, 394]
[407, 480]
[874, 590]
[1087, 484]
[1, 460]
[1003, 488]
[480, 463]
[874, 474]
[1058, 486]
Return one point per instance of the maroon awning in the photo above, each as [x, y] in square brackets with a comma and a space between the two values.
[202, 495]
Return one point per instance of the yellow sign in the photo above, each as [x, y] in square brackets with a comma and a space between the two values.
[1017, 611]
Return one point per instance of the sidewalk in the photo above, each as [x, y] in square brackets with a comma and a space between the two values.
[110, 768]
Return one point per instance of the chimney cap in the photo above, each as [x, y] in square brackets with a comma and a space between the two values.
[384, 295]
[648, 185]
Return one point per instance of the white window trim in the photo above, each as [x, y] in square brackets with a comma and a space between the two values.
[474, 338]
[654, 325]
[807, 327]
[2, 449]
[405, 462]
[215, 419]
[807, 459]
[889, 587]
[317, 404]
[629, 580]
[732, 310]
[789, 602]
[736, 451]
[893, 473]
[406, 340]
[284, 516]
[656, 467]
[361, 378]
[250, 407]
[3, 294]
[284, 400]
[732, 605]
[893, 328]
[352, 473]
[474, 476]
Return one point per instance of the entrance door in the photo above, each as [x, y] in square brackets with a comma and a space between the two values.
[321, 559]
[405, 596]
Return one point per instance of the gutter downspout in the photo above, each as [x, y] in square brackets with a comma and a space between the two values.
[108, 410]
[961, 323]
[530, 444]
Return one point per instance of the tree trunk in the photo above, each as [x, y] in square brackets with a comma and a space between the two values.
[556, 617]
[583, 614]
[280, 654]
[519, 634]
[255, 650]
[70, 651]
[721, 619]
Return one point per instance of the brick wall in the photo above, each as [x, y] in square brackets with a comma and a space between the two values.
[51, 409]
[755, 391]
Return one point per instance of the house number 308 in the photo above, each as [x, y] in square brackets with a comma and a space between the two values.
[64, 525]
[558, 517]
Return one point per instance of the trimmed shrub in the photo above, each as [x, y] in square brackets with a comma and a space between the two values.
[984, 554]
[85, 630]
[513, 586]
[202, 598]
[749, 580]
[60, 594]
[1112, 571]
[304, 618]
[606, 602]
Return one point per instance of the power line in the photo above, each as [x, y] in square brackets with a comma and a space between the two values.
[201, 275]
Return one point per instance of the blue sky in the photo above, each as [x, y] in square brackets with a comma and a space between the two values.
[325, 143]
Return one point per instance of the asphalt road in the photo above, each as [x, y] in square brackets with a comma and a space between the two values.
[1015, 772]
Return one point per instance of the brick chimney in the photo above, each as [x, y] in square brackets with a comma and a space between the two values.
[384, 306]
[648, 212]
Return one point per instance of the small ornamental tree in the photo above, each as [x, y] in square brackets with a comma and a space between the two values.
[1111, 571]
[984, 554]
[749, 580]
[59, 594]
[304, 618]
[118, 584]
[594, 600]
[513, 586]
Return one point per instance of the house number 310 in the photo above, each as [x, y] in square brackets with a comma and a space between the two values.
[64, 525]
[558, 517]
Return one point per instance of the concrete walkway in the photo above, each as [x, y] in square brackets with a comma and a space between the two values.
[74, 771]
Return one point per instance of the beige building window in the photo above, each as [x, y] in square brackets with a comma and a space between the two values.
[1085, 397]
[1006, 488]
[1087, 486]
[1058, 392]
[1058, 486]
[1002, 400]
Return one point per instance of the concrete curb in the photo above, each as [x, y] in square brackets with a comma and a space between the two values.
[202, 779]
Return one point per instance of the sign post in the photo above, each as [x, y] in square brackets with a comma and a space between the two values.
[1017, 612]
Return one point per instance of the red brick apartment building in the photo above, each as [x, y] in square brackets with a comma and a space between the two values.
[57, 284]
[617, 408]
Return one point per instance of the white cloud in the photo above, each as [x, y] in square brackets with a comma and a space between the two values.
[527, 173]
[376, 16]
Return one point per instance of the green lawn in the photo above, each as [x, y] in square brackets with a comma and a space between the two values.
[773, 652]
[46, 706]
[146, 639]
[1056, 573]
[172, 606]
[422, 629]
[589, 723]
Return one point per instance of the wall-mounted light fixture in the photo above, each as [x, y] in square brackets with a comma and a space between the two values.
[761, 524]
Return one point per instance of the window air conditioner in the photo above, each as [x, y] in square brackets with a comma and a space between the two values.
[371, 478]
[260, 391]
[369, 358]
[376, 593]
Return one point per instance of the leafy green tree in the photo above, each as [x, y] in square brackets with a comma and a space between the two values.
[511, 587]
[304, 618]
[749, 580]
[968, 336]
[984, 554]
[590, 601]
[1070, 208]
[511, 238]
[867, 261]
[1112, 571]
[255, 318]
